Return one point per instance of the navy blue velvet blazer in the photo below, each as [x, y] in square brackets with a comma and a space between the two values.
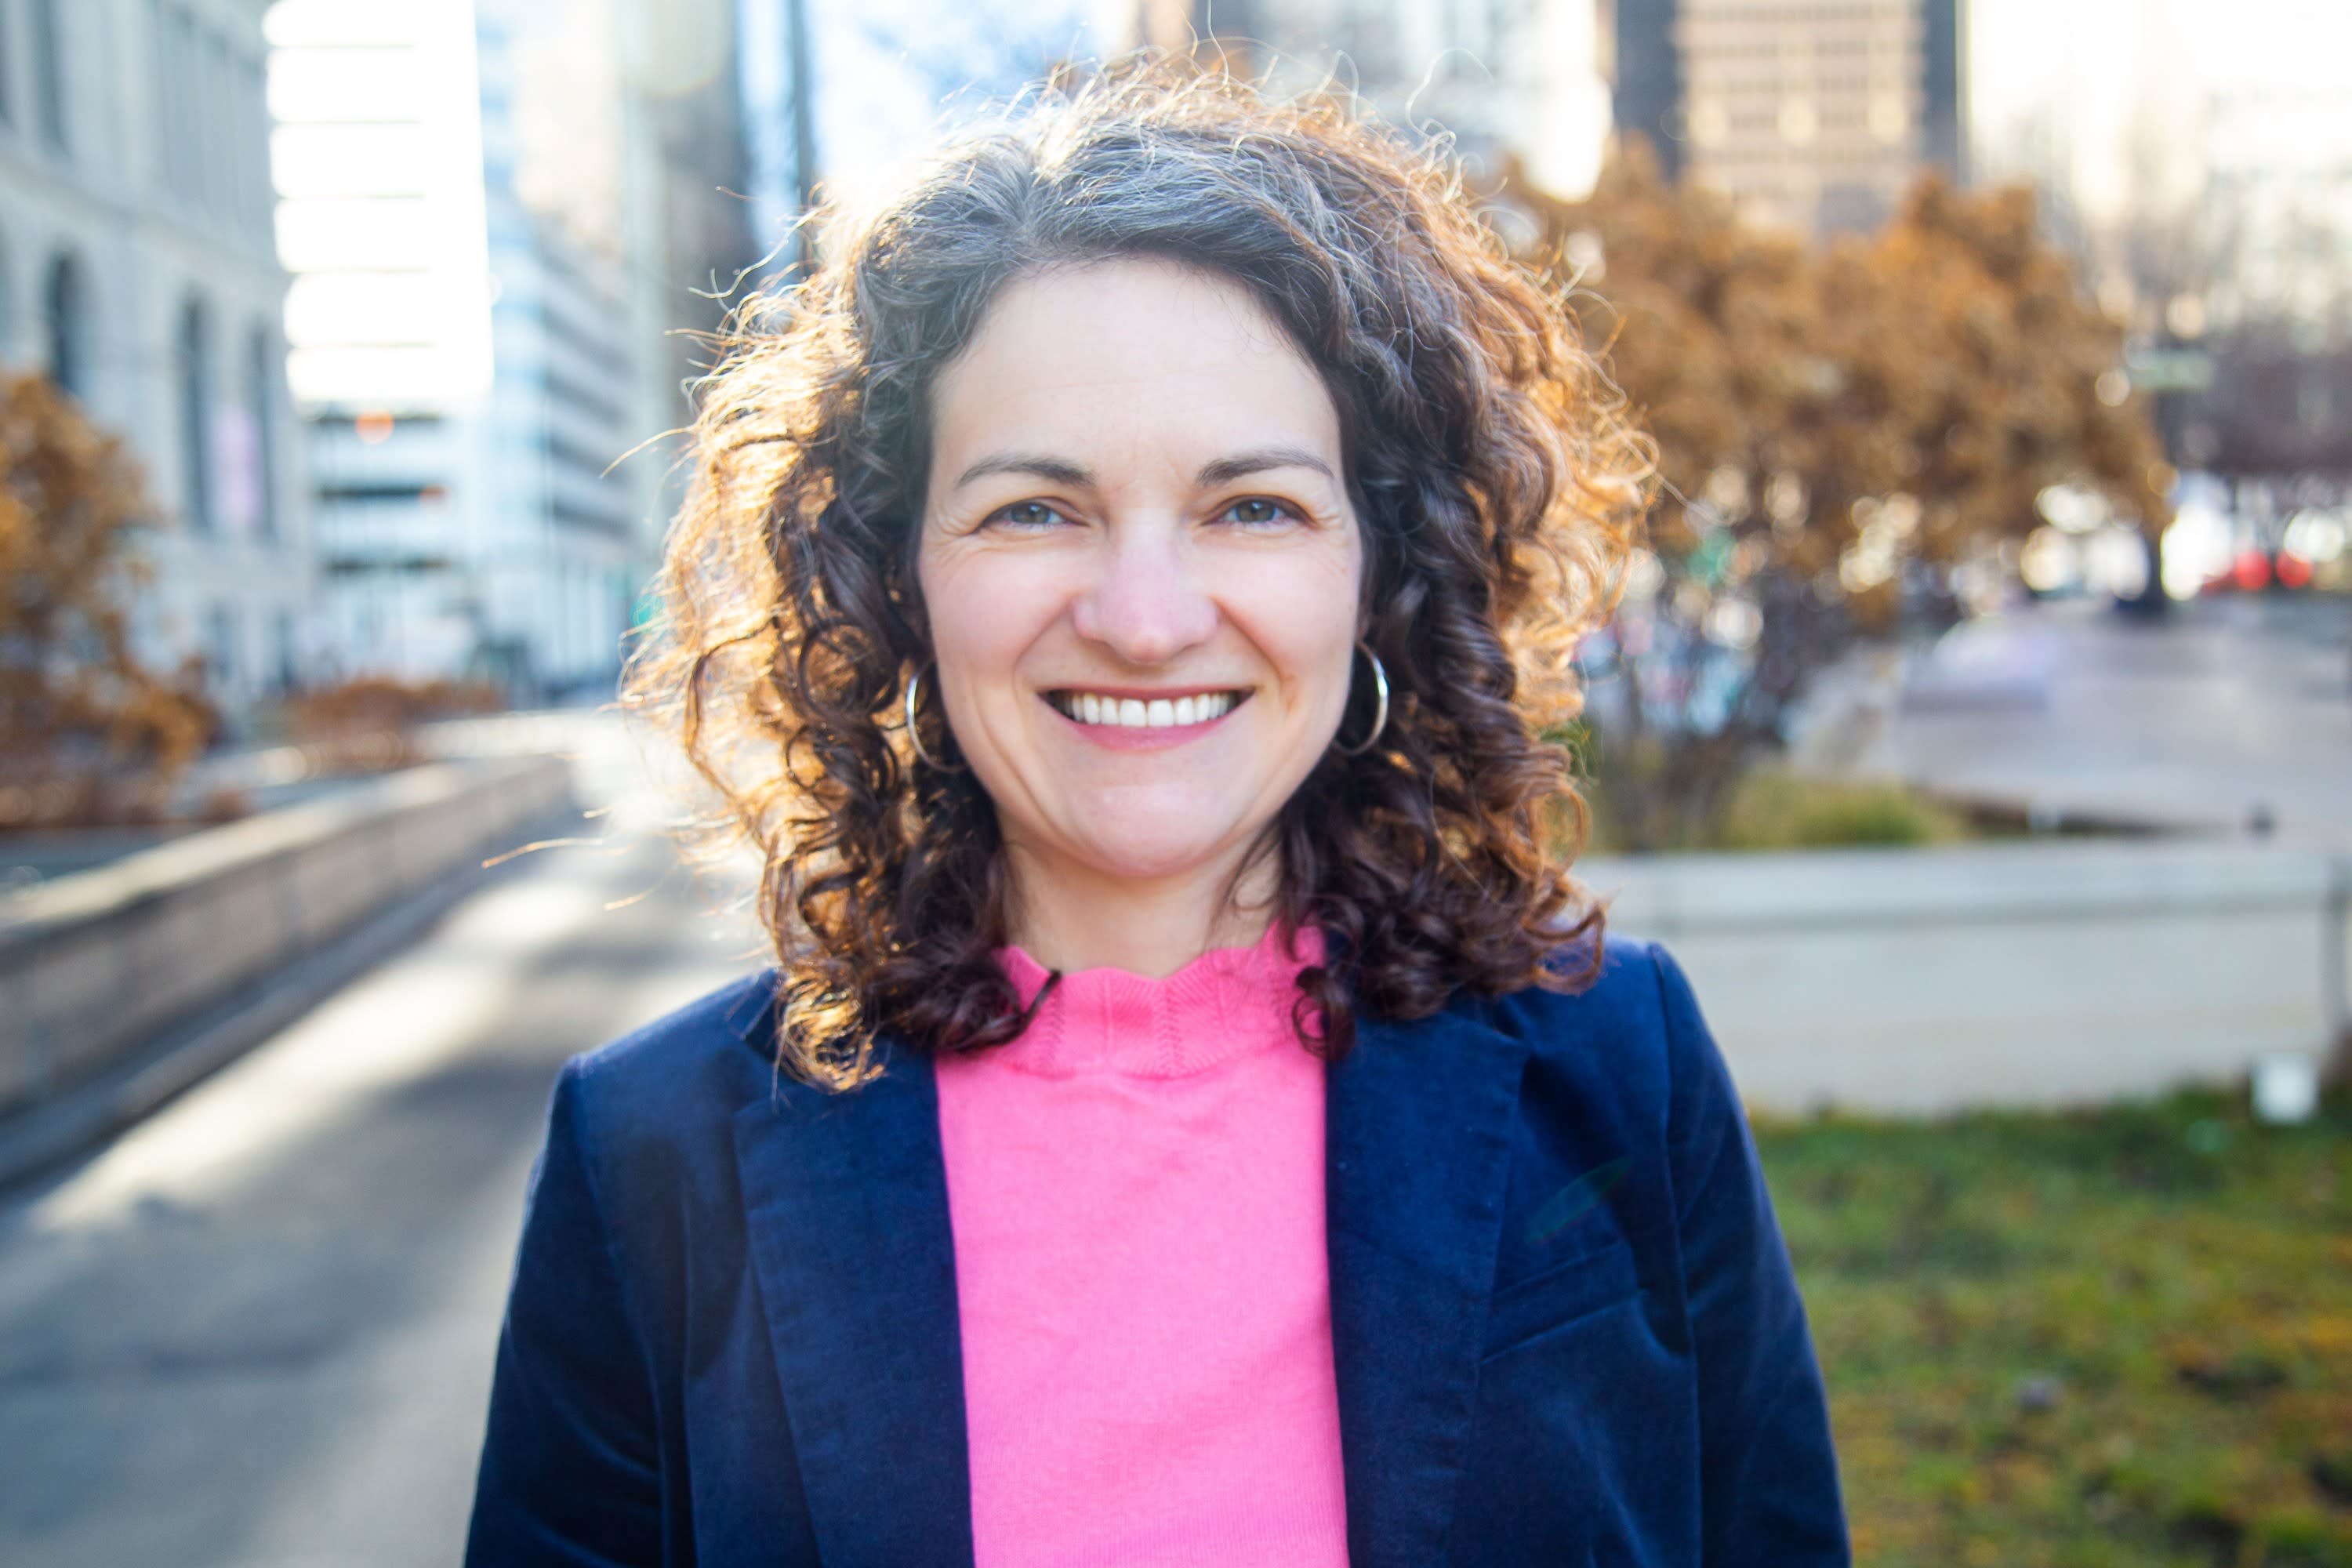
[1564, 1324]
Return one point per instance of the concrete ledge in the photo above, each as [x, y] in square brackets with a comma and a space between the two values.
[38, 1137]
[1918, 982]
[97, 965]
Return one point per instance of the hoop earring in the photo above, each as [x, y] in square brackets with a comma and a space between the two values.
[1380, 710]
[915, 733]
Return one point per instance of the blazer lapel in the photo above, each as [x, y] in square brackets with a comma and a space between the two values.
[846, 1202]
[1418, 1126]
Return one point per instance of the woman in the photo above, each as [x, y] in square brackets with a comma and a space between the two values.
[1193, 1116]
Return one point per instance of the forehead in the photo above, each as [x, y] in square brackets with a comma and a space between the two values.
[1132, 361]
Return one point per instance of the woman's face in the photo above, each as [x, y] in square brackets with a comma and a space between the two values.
[1141, 566]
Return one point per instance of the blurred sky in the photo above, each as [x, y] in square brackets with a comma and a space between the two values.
[2105, 75]
[2025, 49]
[889, 72]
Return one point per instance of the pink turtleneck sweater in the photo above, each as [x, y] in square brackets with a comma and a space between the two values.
[1136, 1188]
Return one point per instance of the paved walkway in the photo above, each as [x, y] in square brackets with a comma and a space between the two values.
[257, 1329]
[2226, 712]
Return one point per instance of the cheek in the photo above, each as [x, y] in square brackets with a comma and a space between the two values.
[985, 612]
[1304, 620]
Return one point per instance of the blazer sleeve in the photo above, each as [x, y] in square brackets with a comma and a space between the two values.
[1769, 1481]
[570, 1472]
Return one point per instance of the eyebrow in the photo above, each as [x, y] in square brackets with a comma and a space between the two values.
[1060, 471]
[1216, 471]
[1224, 470]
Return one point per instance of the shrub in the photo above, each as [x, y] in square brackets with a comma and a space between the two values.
[369, 723]
[1771, 809]
[89, 735]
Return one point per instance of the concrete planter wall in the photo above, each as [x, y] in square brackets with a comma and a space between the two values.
[2029, 975]
[96, 964]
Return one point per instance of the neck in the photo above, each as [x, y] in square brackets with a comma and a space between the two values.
[1071, 917]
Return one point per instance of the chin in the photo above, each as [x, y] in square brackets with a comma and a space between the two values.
[1151, 856]
[1153, 864]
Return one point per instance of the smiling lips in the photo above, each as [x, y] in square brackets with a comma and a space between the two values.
[1104, 710]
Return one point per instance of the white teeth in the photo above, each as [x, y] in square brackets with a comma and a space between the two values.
[1159, 712]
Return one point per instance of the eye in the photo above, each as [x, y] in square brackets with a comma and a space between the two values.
[1258, 511]
[1027, 514]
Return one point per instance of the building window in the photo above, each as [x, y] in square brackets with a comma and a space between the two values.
[261, 404]
[64, 311]
[221, 654]
[49, 72]
[260, 196]
[180, 106]
[159, 95]
[194, 350]
[219, 138]
[289, 661]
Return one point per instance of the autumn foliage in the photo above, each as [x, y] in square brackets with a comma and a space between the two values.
[88, 735]
[369, 723]
[1837, 428]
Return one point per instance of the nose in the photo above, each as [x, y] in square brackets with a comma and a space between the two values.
[1145, 602]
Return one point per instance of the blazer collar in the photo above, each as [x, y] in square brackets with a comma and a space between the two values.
[845, 1198]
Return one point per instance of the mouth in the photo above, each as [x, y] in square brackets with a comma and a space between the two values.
[1124, 710]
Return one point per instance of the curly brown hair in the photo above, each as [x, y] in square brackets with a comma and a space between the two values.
[1488, 459]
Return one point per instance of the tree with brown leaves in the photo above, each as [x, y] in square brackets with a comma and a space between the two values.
[88, 735]
[1837, 429]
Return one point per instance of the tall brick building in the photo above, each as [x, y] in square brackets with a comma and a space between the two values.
[1813, 114]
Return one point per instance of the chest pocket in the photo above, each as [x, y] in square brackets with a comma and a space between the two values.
[1567, 1292]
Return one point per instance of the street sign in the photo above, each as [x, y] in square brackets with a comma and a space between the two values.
[2169, 370]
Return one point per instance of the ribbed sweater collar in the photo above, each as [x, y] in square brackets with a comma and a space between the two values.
[1227, 1003]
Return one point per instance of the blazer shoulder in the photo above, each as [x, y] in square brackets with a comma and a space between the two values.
[692, 1068]
[1619, 1005]
[1616, 1038]
[1637, 1033]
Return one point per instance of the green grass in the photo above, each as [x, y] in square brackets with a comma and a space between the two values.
[2119, 1337]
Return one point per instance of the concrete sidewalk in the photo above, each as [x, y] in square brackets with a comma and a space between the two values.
[2228, 715]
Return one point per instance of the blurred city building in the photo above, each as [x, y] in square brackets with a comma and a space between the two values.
[497, 214]
[1521, 80]
[1644, 71]
[2200, 164]
[137, 269]
[777, 103]
[1811, 114]
[2243, 307]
